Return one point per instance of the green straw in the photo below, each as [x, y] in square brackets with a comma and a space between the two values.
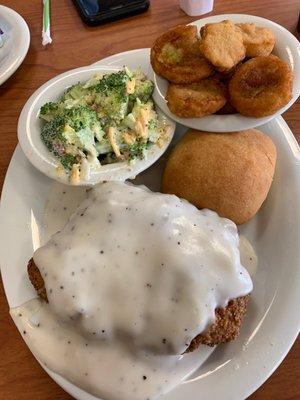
[46, 23]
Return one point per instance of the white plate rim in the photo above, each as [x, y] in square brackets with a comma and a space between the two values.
[293, 295]
[22, 29]
[213, 122]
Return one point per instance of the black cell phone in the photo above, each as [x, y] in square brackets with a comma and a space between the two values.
[95, 12]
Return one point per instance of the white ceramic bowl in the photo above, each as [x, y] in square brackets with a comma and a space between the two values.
[287, 48]
[29, 130]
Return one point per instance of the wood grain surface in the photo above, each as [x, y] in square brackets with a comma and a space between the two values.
[74, 45]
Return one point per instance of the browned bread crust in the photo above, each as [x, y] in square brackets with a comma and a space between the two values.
[225, 328]
[230, 173]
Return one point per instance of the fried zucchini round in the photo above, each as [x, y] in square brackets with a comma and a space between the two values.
[261, 86]
[197, 99]
[222, 45]
[258, 41]
[176, 56]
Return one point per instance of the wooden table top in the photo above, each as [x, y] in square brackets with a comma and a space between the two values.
[74, 45]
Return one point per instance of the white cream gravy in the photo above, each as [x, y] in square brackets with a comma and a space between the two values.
[131, 279]
[248, 255]
[110, 372]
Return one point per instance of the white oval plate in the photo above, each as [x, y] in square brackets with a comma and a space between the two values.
[287, 47]
[235, 370]
[29, 131]
[16, 42]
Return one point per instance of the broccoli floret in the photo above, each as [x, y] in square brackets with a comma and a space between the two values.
[138, 150]
[111, 95]
[49, 110]
[80, 117]
[67, 161]
[112, 105]
[115, 81]
[153, 132]
[75, 127]
[52, 135]
[93, 81]
[53, 138]
[129, 121]
[152, 124]
[143, 91]
[74, 92]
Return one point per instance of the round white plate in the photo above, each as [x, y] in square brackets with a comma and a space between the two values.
[29, 131]
[16, 42]
[287, 47]
[235, 370]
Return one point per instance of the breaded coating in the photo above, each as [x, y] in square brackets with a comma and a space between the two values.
[225, 328]
[196, 99]
[224, 78]
[230, 173]
[227, 109]
[36, 279]
[261, 86]
[258, 41]
[222, 45]
[176, 56]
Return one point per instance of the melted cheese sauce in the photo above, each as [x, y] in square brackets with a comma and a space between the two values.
[131, 280]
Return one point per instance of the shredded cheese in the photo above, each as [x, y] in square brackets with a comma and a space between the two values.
[112, 139]
[75, 174]
[128, 138]
[141, 125]
[130, 86]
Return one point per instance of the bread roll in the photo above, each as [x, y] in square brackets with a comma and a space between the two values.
[230, 173]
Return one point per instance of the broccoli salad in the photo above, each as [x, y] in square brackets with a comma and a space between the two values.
[109, 118]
